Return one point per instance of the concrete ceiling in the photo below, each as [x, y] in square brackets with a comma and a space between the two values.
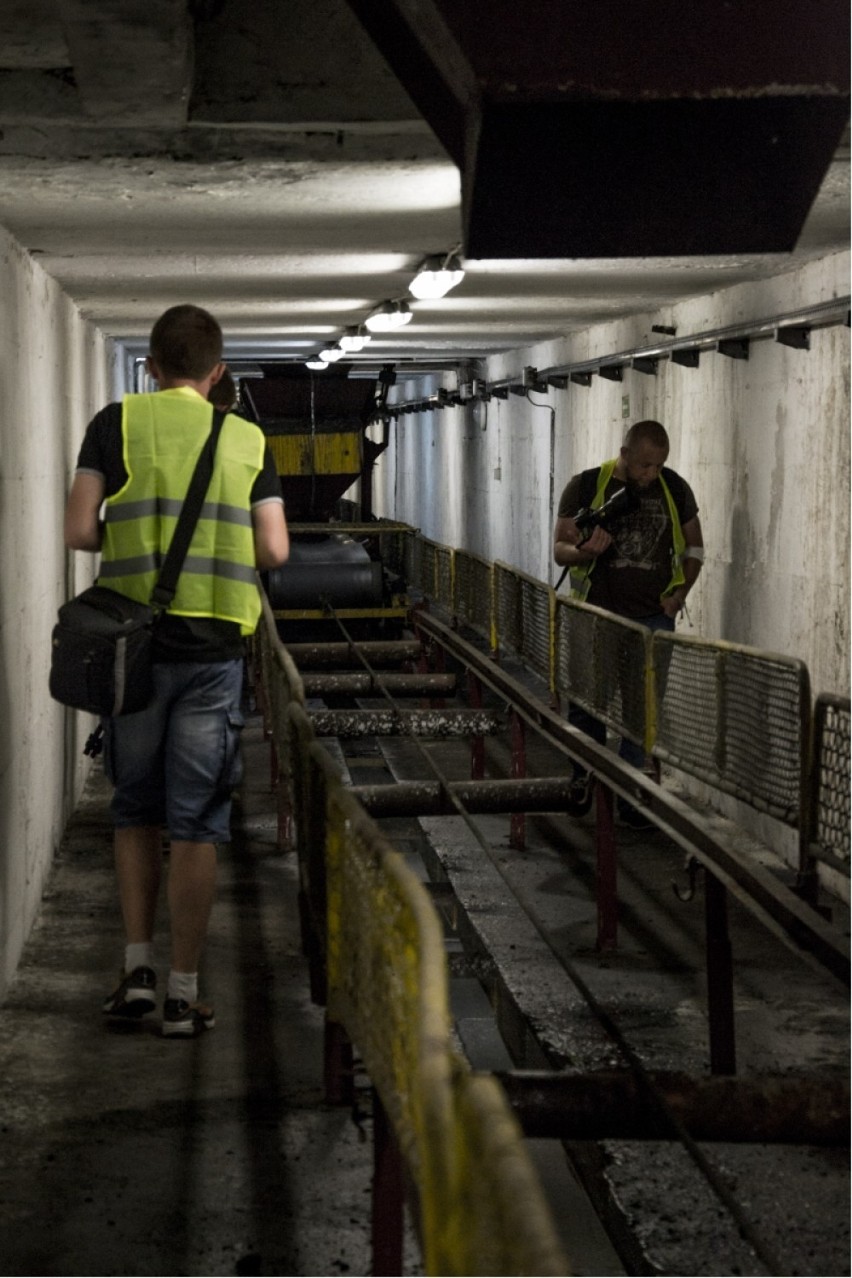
[262, 159]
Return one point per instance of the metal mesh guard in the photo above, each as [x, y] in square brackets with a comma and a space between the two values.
[523, 613]
[428, 582]
[473, 591]
[601, 665]
[830, 829]
[734, 718]
[499, 1222]
[535, 615]
[444, 577]
[387, 982]
[507, 608]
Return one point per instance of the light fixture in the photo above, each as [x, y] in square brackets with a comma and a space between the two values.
[436, 276]
[387, 317]
[314, 361]
[355, 339]
[331, 354]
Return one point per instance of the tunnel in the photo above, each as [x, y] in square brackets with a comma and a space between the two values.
[457, 251]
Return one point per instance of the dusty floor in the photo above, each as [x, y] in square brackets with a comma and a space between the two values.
[125, 1153]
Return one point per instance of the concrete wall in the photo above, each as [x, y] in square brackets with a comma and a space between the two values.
[763, 442]
[54, 372]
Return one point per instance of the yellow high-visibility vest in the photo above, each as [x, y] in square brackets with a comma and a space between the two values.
[163, 434]
[581, 574]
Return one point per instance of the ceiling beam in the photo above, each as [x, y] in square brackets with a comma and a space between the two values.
[612, 130]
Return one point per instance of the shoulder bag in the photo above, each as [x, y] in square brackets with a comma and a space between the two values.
[101, 653]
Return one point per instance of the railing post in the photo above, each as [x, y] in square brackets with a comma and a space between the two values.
[388, 1197]
[339, 1065]
[607, 868]
[720, 978]
[260, 697]
[440, 666]
[274, 769]
[284, 806]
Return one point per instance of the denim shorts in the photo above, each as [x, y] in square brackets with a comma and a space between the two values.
[176, 763]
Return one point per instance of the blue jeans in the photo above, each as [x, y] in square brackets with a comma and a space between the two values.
[176, 762]
[594, 728]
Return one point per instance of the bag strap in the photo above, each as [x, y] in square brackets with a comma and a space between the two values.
[164, 591]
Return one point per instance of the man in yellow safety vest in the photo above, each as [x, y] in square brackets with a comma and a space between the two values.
[175, 763]
[640, 565]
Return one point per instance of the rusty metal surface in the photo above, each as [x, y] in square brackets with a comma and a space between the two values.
[396, 723]
[358, 684]
[430, 798]
[770, 900]
[378, 652]
[354, 528]
[614, 1104]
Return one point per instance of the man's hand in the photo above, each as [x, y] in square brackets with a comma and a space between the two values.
[673, 604]
[597, 542]
[567, 539]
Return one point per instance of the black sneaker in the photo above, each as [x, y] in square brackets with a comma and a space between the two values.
[186, 1020]
[136, 995]
[633, 819]
[580, 794]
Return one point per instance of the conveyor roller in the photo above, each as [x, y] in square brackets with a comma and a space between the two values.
[334, 570]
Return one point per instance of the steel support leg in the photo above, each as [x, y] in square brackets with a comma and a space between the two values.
[477, 743]
[274, 771]
[284, 833]
[518, 820]
[339, 1080]
[720, 978]
[388, 1196]
[607, 868]
[260, 699]
[439, 667]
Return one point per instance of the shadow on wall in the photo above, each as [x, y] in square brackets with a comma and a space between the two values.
[735, 611]
[9, 889]
[475, 499]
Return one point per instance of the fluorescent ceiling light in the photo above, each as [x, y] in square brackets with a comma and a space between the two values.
[331, 354]
[355, 339]
[436, 276]
[387, 317]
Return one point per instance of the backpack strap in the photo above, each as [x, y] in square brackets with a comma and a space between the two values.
[164, 591]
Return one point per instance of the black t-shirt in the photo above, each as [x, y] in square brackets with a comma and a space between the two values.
[630, 576]
[204, 639]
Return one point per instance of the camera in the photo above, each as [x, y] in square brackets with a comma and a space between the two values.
[618, 505]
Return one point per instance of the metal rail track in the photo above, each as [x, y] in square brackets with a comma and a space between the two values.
[589, 1104]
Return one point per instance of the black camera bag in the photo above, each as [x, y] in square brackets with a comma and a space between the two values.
[101, 653]
[102, 646]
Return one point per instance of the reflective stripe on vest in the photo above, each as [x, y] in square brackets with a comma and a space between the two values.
[580, 576]
[163, 434]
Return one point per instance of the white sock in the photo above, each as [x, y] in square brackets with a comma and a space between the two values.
[183, 985]
[138, 954]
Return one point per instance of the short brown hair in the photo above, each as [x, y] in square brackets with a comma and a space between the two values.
[650, 432]
[223, 394]
[186, 341]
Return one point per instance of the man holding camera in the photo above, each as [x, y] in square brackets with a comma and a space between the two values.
[639, 564]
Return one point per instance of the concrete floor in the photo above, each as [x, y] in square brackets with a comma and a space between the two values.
[125, 1153]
